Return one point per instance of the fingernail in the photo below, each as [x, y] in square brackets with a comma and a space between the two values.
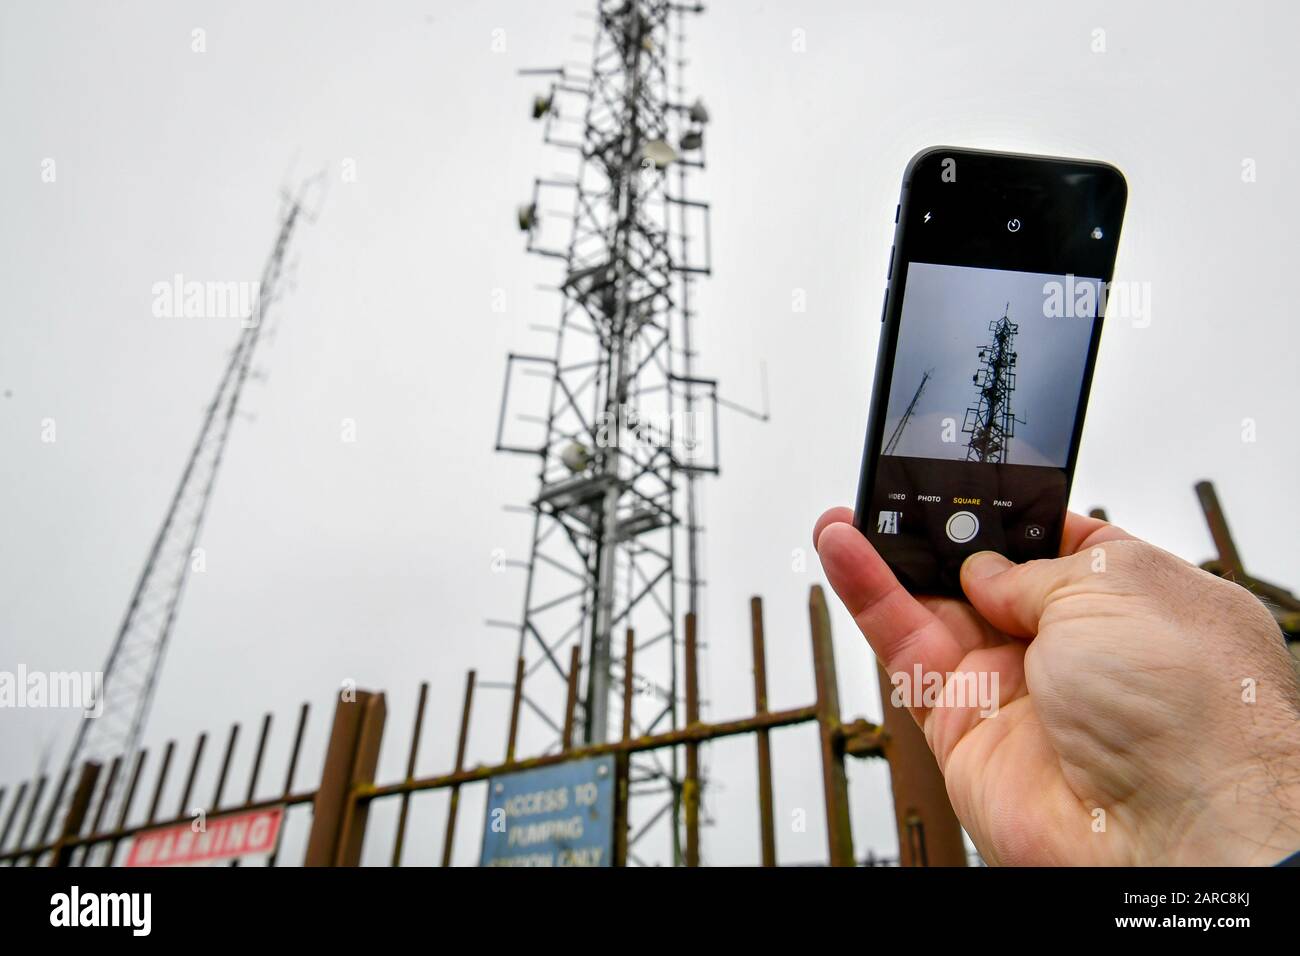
[984, 564]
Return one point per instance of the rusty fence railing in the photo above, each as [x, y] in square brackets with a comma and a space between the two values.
[84, 837]
[928, 831]
[47, 828]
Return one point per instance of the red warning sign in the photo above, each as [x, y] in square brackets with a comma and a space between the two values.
[233, 836]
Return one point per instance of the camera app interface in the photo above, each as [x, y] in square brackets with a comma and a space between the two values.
[980, 420]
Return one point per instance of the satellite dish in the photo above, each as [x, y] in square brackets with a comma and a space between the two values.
[527, 216]
[659, 153]
[575, 457]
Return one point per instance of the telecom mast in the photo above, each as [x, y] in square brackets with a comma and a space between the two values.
[620, 423]
[990, 422]
[897, 435]
[135, 659]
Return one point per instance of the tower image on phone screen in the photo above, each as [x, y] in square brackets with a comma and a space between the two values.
[985, 369]
[990, 329]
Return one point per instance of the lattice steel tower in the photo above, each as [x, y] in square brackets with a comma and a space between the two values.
[135, 659]
[990, 422]
[620, 423]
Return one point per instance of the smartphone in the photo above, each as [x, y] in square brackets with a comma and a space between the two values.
[992, 316]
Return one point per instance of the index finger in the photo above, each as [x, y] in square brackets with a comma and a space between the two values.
[1082, 532]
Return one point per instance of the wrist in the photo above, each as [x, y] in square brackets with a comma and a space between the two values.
[1252, 820]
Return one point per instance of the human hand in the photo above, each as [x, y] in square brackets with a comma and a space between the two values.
[1125, 732]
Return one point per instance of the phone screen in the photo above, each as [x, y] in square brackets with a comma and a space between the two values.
[992, 317]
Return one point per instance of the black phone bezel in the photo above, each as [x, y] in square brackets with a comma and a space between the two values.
[1078, 192]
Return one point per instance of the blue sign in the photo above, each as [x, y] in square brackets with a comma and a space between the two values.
[562, 815]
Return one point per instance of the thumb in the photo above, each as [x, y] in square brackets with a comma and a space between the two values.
[1012, 597]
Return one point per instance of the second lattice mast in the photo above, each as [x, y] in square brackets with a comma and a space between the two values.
[135, 658]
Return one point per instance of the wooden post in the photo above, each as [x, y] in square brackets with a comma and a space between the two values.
[192, 775]
[303, 711]
[928, 831]
[338, 819]
[410, 773]
[257, 758]
[31, 812]
[98, 819]
[356, 812]
[450, 836]
[1218, 522]
[766, 818]
[54, 807]
[127, 800]
[839, 833]
[691, 785]
[571, 702]
[162, 781]
[76, 815]
[516, 700]
[13, 814]
[622, 762]
[225, 767]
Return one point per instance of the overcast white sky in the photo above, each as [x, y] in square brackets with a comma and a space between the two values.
[372, 560]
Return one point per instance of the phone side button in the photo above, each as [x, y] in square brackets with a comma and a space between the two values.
[890, 271]
[884, 302]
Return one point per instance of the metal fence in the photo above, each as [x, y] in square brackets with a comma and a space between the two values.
[77, 831]
[928, 831]
[86, 838]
